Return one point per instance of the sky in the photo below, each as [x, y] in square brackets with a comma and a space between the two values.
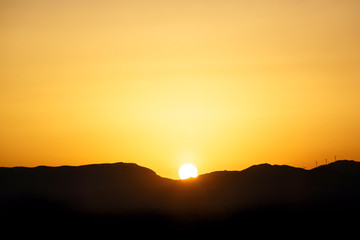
[220, 84]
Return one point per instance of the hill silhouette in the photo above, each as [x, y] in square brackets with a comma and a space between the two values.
[130, 195]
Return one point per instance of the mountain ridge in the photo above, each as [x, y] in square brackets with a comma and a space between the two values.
[261, 165]
[128, 191]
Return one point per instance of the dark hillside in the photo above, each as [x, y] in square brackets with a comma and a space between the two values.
[128, 195]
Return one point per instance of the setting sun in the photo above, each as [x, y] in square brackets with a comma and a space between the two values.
[188, 170]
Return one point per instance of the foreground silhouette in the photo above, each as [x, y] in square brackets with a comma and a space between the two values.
[131, 197]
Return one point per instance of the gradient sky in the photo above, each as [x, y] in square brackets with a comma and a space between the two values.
[221, 84]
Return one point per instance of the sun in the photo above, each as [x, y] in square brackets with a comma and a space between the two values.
[188, 170]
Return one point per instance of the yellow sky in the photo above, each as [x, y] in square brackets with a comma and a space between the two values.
[222, 84]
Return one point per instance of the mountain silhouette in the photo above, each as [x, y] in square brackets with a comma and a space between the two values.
[130, 195]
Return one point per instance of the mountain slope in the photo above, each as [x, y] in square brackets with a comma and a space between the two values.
[125, 189]
[94, 188]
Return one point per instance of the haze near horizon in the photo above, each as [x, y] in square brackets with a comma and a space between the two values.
[219, 84]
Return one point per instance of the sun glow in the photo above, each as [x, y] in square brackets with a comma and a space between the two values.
[188, 170]
[232, 84]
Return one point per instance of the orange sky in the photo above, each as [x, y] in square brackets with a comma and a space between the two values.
[222, 84]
